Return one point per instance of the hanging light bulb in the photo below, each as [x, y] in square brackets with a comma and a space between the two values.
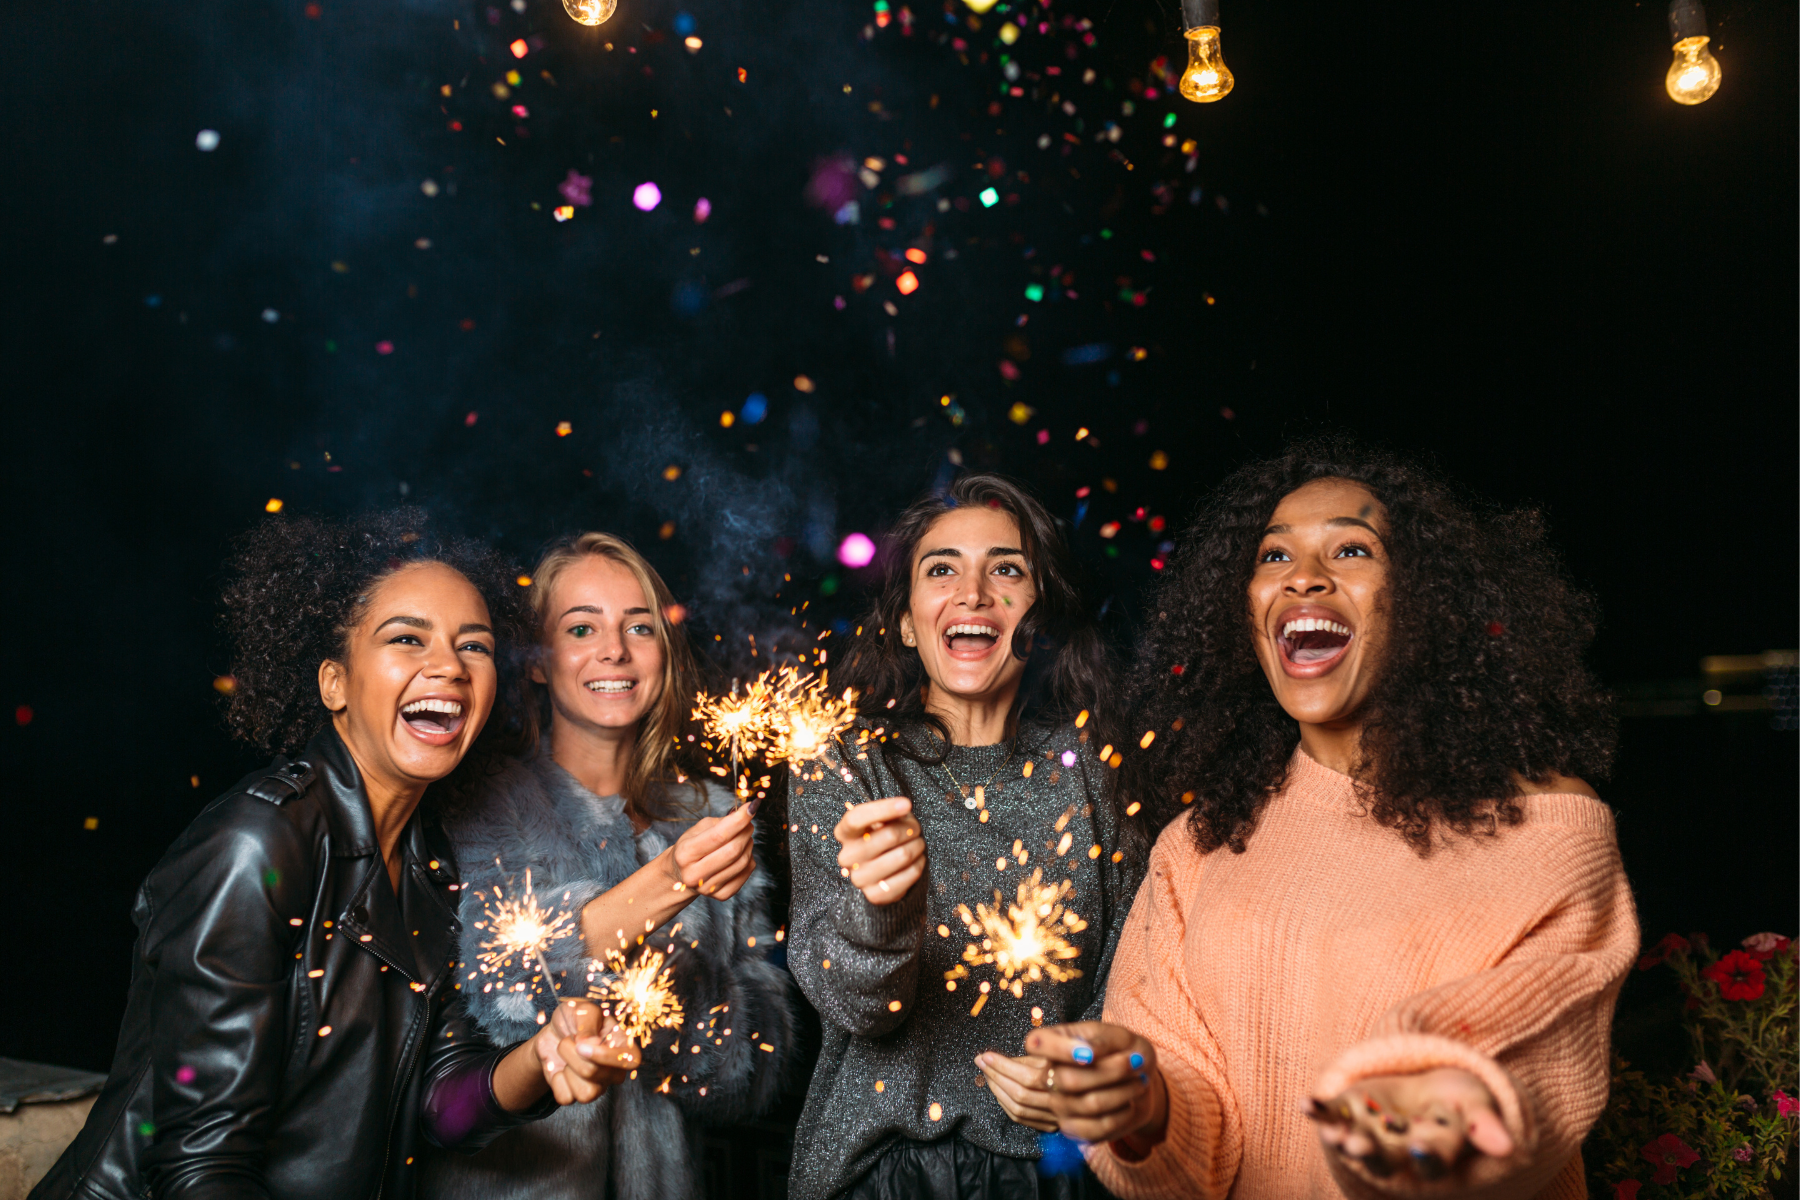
[590, 12]
[1694, 75]
[1207, 78]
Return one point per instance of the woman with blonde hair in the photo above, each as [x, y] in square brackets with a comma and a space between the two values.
[630, 853]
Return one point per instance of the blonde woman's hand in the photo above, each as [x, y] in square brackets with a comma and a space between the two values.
[716, 855]
[883, 848]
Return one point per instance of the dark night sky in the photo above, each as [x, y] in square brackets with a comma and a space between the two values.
[1488, 239]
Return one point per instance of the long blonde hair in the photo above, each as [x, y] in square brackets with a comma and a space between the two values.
[659, 759]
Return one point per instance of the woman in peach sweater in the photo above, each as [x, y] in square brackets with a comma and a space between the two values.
[1379, 956]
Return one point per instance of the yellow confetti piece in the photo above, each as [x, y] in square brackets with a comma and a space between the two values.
[1149, 736]
[1081, 718]
[273, 506]
[324, 1031]
[1094, 851]
[935, 1112]
[881, 1085]
[894, 1006]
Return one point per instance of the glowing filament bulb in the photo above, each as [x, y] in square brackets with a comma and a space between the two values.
[1207, 78]
[590, 12]
[1694, 75]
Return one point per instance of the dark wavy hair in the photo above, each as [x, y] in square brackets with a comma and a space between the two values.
[1482, 683]
[296, 588]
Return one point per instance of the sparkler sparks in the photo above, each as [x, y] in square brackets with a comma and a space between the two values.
[521, 929]
[1025, 943]
[640, 995]
[781, 714]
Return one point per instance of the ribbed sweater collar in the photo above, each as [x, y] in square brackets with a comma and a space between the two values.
[1317, 784]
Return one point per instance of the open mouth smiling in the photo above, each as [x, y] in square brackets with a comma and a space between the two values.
[971, 637]
[610, 687]
[1313, 643]
[433, 718]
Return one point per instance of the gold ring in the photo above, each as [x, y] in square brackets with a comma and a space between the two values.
[1050, 1079]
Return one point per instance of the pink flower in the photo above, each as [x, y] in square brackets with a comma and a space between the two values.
[1671, 945]
[1743, 1153]
[1764, 946]
[1786, 1105]
[1626, 1189]
[1739, 976]
[1704, 1074]
[1668, 1154]
[577, 189]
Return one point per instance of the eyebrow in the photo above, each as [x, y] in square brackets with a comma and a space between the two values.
[422, 623]
[599, 612]
[1334, 521]
[953, 552]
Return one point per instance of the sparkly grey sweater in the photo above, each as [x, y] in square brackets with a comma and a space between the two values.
[899, 1041]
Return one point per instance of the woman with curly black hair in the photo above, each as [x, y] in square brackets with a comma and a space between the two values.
[978, 776]
[293, 1026]
[1391, 897]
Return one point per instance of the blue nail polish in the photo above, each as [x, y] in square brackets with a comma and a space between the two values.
[1137, 1062]
[1144, 1079]
[1082, 1054]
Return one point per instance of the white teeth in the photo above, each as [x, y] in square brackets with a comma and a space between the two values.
[1314, 625]
[978, 630]
[449, 707]
[611, 685]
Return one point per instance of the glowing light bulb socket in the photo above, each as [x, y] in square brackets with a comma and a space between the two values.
[1687, 18]
[1195, 13]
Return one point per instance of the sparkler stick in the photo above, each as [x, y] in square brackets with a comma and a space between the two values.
[1025, 943]
[522, 927]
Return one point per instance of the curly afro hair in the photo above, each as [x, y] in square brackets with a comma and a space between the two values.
[1483, 682]
[296, 589]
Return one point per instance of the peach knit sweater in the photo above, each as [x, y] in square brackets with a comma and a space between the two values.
[1330, 951]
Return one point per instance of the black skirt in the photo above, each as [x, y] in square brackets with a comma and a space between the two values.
[952, 1169]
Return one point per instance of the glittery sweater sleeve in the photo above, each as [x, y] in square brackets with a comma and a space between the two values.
[1119, 875]
[853, 959]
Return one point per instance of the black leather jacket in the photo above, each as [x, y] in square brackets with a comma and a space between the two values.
[293, 1024]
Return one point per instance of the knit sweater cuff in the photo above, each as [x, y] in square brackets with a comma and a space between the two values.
[1180, 1164]
[893, 926]
[1412, 1053]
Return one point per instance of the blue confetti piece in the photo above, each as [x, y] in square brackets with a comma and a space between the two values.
[1061, 1155]
[756, 407]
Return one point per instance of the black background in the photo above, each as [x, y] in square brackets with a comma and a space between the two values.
[1479, 234]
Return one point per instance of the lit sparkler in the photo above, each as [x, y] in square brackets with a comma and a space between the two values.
[808, 717]
[640, 995]
[521, 928]
[781, 714]
[1025, 943]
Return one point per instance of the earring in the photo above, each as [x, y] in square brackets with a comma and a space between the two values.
[907, 638]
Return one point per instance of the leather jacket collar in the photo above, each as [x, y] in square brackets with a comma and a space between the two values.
[414, 932]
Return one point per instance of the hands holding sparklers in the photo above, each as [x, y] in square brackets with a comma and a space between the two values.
[577, 1055]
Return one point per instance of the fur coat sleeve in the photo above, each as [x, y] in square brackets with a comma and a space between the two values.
[726, 1061]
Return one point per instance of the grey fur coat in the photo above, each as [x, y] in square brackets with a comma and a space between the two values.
[578, 845]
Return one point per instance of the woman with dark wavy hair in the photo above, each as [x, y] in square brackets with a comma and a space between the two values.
[294, 1027]
[1392, 904]
[980, 672]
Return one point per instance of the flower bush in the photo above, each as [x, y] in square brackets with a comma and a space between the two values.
[1728, 1128]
